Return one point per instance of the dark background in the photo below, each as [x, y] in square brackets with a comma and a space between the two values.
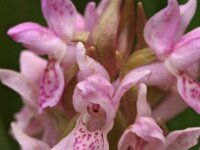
[13, 12]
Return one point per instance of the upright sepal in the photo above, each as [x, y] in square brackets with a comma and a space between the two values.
[160, 30]
[102, 6]
[187, 12]
[143, 108]
[60, 16]
[91, 16]
[89, 66]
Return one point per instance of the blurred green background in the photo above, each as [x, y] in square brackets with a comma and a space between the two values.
[13, 12]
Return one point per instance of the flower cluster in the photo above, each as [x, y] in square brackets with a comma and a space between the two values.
[91, 91]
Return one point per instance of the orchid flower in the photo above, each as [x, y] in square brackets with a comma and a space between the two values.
[51, 41]
[27, 83]
[97, 102]
[145, 134]
[164, 35]
[163, 44]
[56, 41]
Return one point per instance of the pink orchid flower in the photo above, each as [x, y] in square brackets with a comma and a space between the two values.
[26, 83]
[145, 134]
[97, 102]
[55, 41]
[179, 53]
[51, 41]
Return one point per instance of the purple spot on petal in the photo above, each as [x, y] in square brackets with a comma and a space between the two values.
[87, 140]
[62, 6]
[49, 83]
[190, 91]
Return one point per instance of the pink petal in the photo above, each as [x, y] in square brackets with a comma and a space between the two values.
[60, 16]
[36, 38]
[94, 95]
[160, 76]
[91, 16]
[26, 142]
[144, 134]
[161, 30]
[51, 85]
[172, 101]
[187, 12]
[131, 79]
[32, 66]
[102, 6]
[89, 66]
[82, 139]
[79, 23]
[189, 90]
[20, 84]
[143, 108]
[187, 50]
[182, 139]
